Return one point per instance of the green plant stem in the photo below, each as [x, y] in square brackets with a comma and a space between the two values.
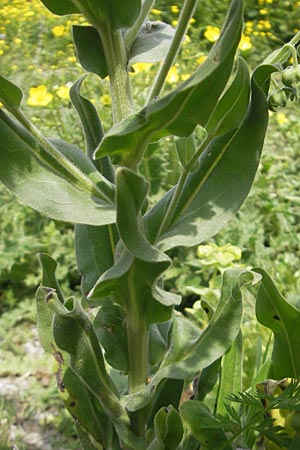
[138, 354]
[133, 31]
[183, 22]
[116, 61]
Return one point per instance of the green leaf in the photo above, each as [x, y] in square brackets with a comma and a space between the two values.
[204, 206]
[129, 274]
[45, 319]
[131, 194]
[231, 373]
[203, 426]
[233, 105]
[87, 112]
[152, 43]
[168, 392]
[89, 50]
[60, 7]
[274, 312]
[186, 148]
[190, 348]
[74, 334]
[46, 184]
[168, 427]
[99, 12]
[10, 94]
[49, 280]
[111, 332]
[188, 105]
[85, 407]
[94, 248]
[158, 336]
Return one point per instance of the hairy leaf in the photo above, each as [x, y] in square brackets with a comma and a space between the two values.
[74, 334]
[46, 185]
[152, 43]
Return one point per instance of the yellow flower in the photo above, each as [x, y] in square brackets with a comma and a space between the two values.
[192, 21]
[263, 12]
[174, 23]
[1, 105]
[63, 92]
[157, 12]
[212, 33]
[172, 76]
[281, 118]
[58, 30]
[185, 76]
[174, 9]
[141, 67]
[71, 59]
[105, 100]
[201, 59]
[17, 41]
[264, 25]
[245, 43]
[39, 96]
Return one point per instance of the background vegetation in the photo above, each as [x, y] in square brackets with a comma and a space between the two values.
[36, 52]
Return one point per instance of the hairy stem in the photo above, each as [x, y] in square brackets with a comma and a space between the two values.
[116, 61]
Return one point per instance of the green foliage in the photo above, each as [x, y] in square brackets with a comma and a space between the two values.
[120, 394]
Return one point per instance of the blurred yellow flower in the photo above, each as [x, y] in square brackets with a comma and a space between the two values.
[281, 118]
[245, 43]
[263, 12]
[105, 100]
[71, 59]
[39, 96]
[172, 76]
[17, 41]
[58, 30]
[174, 23]
[192, 21]
[212, 33]
[174, 9]
[141, 67]
[201, 59]
[264, 25]
[63, 92]
[157, 12]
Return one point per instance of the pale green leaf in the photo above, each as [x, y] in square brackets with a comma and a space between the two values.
[46, 185]
[152, 43]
